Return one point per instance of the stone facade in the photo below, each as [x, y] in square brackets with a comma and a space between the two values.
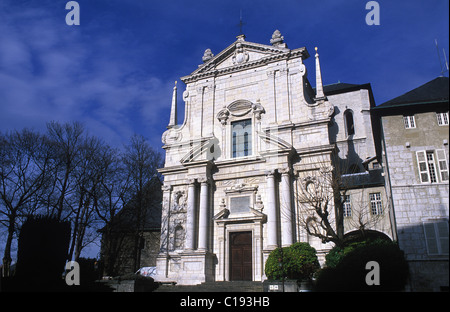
[254, 131]
[420, 202]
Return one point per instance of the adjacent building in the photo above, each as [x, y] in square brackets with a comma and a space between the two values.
[257, 142]
[131, 239]
[413, 134]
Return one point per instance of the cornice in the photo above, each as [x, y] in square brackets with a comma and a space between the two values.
[209, 68]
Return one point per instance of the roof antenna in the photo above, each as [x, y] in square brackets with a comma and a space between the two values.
[444, 69]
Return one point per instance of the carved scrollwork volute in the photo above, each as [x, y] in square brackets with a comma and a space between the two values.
[223, 115]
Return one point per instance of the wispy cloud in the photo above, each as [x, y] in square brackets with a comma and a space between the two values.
[50, 71]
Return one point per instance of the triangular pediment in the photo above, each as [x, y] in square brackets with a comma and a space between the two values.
[241, 54]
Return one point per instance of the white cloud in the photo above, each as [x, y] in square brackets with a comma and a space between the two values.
[50, 71]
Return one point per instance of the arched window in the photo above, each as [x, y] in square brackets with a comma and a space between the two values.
[241, 138]
[349, 124]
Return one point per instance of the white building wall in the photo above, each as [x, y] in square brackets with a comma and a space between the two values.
[290, 137]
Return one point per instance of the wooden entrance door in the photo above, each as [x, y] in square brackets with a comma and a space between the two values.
[241, 256]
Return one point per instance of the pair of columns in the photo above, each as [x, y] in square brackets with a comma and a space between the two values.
[203, 210]
[286, 213]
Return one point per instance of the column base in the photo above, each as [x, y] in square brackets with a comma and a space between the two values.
[196, 267]
[191, 267]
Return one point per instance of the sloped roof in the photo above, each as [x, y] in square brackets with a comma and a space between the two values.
[340, 87]
[433, 91]
[126, 218]
[365, 179]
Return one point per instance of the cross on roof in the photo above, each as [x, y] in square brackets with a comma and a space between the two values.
[241, 24]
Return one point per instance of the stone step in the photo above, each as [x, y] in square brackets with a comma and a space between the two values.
[234, 286]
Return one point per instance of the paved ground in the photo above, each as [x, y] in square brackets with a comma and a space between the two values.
[238, 286]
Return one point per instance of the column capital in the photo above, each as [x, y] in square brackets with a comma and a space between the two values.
[285, 171]
[191, 181]
[167, 188]
[204, 180]
[270, 173]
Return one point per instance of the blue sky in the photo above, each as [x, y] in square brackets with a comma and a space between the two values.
[116, 70]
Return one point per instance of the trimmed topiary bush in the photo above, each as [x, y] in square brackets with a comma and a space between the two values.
[349, 270]
[336, 254]
[298, 261]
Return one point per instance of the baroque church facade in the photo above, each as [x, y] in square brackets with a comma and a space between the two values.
[255, 135]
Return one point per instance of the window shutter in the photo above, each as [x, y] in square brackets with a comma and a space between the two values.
[406, 121]
[423, 167]
[430, 238]
[439, 119]
[442, 229]
[442, 161]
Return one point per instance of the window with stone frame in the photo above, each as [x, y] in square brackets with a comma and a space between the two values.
[432, 166]
[241, 138]
[347, 206]
[442, 119]
[376, 204]
[409, 121]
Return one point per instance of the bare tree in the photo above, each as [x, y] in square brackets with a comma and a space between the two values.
[320, 205]
[23, 173]
[66, 144]
[141, 162]
[128, 194]
[87, 180]
[322, 197]
[73, 176]
[113, 194]
[365, 214]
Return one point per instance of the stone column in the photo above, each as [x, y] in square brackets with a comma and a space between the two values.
[204, 213]
[271, 211]
[190, 217]
[286, 209]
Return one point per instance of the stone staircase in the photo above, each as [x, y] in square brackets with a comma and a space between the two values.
[235, 286]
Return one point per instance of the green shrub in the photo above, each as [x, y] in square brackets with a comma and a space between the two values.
[336, 254]
[298, 261]
[349, 273]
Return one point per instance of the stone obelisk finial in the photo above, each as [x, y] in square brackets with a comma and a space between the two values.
[173, 111]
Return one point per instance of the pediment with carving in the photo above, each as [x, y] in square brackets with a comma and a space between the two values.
[239, 55]
[240, 108]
